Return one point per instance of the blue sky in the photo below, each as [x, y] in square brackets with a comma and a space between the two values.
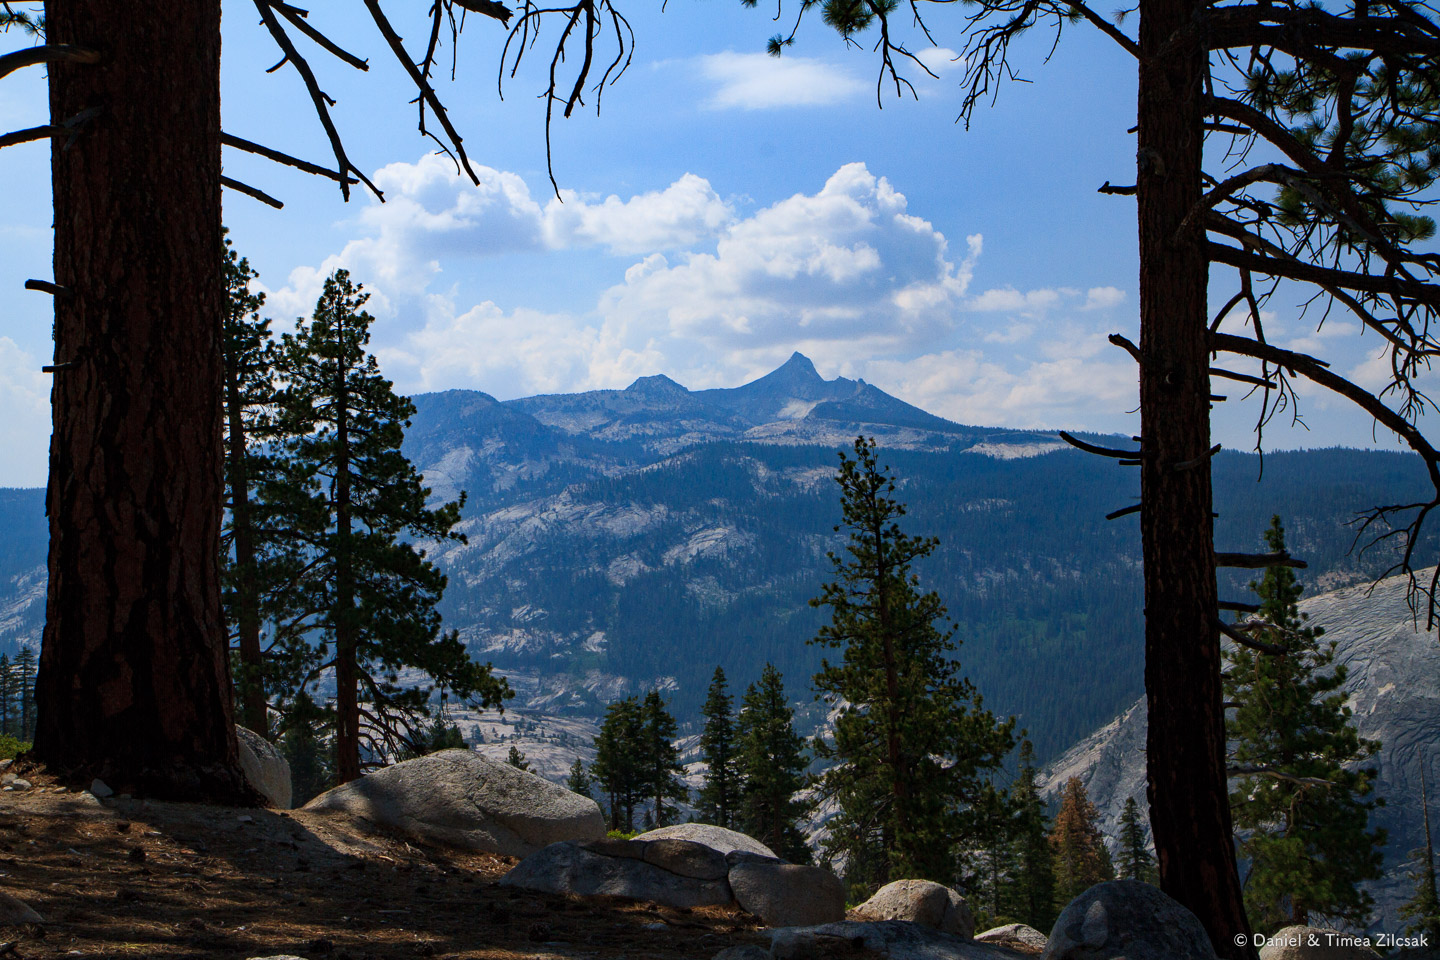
[725, 209]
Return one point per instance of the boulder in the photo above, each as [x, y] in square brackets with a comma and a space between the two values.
[687, 858]
[15, 911]
[716, 838]
[1016, 936]
[459, 798]
[787, 894]
[1300, 942]
[920, 901]
[571, 868]
[1129, 919]
[893, 939]
[265, 767]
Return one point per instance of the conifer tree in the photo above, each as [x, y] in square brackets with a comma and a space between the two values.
[24, 667]
[1301, 807]
[1136, 862]
[619, 765]
[7, 693]
[1423, 909]
[579, 780]
[305, 748]
[1081, 859]
[771, 765]
[517, 759]
[661, 758]
[353, 495]
[1031, 891]
[913, 746]
[718, 798]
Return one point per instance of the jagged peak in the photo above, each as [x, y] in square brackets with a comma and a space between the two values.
[799, 366]
[657, 385]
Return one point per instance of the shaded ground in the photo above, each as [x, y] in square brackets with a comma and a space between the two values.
[130, 878]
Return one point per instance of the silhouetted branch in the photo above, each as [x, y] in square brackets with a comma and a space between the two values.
[1258, 561]
[248, 146]
[250, 191]
[49, 53]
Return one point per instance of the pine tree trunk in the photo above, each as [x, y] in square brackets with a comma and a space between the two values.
[134, 684]
[254, 712]
[1189, 806]
[347, 706]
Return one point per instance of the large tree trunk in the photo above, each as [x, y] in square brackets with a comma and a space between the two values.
[134, 685]
[1189, 806]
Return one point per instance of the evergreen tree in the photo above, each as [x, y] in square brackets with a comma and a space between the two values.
[1423, 909]
[579, 780]
[7, 694]
[1081, 859]
[913, 745]
[1136, 863]
[771, 766]
[374, 596]
[718, 798]
[1301, 807]
[439, 735]
[1031, 892]
[517, 759]
[988, 876]
[24, 667]
[305, 748]
[254, 574]
[619, 764]
[661, 758]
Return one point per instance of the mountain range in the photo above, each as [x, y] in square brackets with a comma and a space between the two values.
[625, 539]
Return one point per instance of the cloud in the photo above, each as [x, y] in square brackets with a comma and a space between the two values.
[940, 60]
[683, 214]
[758, 81]
[25, 428]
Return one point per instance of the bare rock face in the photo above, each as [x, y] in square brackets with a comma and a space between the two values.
[459, 798]
[1300, 942]
[265, 767]
[570, 868]
[716, 838]
[787, 894]
[1130, 920]
[920, 901]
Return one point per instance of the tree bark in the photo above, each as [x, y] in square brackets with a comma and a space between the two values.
[1189, 805]
[134, 684]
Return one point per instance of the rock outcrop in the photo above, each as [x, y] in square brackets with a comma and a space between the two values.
[16, 911]
[893, 939]
[685, 873]
[265, 767]
[458, 798]
[1127, 919]
[716, 838]
[920, 901]
[1394, 692]
[1017, 936]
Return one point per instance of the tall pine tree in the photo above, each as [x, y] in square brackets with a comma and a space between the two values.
[619, 765]
[1136, 862]
[1301, 807]
[1081, 860]
[1423, 909]
[579, 781]
[1030, 895]
[661, 758]
[913, 746]
[771, 762]
[375, 595]
[717, 799]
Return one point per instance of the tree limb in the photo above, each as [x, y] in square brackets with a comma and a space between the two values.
[248, 146]
[250, 191]
[49, 53]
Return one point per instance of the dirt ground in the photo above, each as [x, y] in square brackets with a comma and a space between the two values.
[133, 878]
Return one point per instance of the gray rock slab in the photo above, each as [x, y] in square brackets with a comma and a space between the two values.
[13, 910]
[920, 901]
[458, 798]
[745, 951]
[894, 939]
[265, 767]
[1014, 933]
[716, 838]
[569, 868]
[1300, 942]
[788, 894]
[1130, 920]
[686, 858]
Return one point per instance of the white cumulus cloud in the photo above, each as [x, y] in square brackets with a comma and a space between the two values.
[758, 81]
[25, 428]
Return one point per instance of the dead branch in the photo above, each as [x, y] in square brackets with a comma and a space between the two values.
[31, 133]
[248, 146]
[1258, 561]
[297, 17]
[250, 191]
[49, 53]
[1099, 451]
[1259, 646]
[1258, 771]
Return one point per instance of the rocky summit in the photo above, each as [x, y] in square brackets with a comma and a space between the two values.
[1394, 693]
